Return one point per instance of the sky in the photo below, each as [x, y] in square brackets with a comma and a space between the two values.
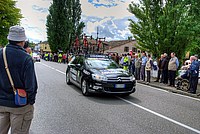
[110, 16]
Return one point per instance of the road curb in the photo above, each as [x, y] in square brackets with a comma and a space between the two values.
[171, 89]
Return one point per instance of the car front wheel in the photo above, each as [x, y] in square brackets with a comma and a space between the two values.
[84, 88]
[68, 78]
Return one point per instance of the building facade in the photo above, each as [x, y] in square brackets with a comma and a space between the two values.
[121, 47]
[44, 47]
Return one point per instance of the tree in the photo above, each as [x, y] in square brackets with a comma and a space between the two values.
[75, 17]
[57, 26]
[175, 26]
[9, 16]
[162, 26]
[63, 24]
[146, 28]
[194, 16]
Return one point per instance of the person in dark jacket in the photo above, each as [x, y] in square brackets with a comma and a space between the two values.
[22, 71]
[133, 59]
[164, 68]
[193, 74]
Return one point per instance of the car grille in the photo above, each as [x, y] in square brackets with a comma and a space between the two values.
[118, 79]
[109, 85]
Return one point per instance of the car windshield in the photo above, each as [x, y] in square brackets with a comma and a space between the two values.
[101, 63]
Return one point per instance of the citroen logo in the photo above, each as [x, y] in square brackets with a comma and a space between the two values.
[119, 79]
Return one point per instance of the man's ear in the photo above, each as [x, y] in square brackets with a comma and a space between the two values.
[22, 43]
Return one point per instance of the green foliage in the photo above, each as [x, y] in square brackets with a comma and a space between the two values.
[9, 16]
[194, 17]
[32, 45]
[166, 26]
[63, 24]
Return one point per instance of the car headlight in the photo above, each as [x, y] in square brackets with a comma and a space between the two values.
[132, 78]
[98, 77]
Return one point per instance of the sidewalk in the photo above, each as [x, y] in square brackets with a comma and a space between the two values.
[171, 89]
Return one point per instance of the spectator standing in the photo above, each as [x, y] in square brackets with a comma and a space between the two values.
[159, 69]
[122, 60]
[43, 56]
[55, 57]
[137, 67]
[133, 64]
[148, 68]
[164, 68]
[64, 57]
[143, 64]
[117, 58]
[21, 68]
[129, 62]
[51, 57]
[172, 67]
[46, 56]
[27, 48]
[112, 56]
[125, 63]
[193, 74]
[60, 58]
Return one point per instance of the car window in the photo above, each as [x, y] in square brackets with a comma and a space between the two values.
[75, 61]
[78, 60]
[72, 60]
[101, 63]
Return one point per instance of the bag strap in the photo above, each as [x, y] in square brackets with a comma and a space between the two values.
[7, 69]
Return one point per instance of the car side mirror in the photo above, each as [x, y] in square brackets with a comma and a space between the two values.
[78, 65]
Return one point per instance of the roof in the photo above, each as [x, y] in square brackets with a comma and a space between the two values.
[118, 43]
[44, 42]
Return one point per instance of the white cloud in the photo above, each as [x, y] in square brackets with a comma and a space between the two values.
[35, 13]
[92, 26]
[32, 18]
[119, 11]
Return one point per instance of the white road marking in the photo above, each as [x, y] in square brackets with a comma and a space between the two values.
[60, 71]
[186, 96]
[53, 68]
[153, 87]
[148, 110]
[162, 116]
[169, 92]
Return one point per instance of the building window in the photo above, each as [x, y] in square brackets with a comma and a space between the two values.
[126, 49]
[134, 49]
[139, 51]
[45, 48]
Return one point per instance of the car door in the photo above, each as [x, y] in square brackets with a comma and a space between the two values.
[73, 70]
[79, 69]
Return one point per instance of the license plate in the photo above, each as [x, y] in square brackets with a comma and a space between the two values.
[119, 85]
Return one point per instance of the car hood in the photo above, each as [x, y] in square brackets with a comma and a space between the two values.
[111, 72]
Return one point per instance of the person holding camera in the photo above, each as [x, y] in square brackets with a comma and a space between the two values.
[18, 84]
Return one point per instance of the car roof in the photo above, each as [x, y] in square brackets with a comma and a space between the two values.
[97, 56]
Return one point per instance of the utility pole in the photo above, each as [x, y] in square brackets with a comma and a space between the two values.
[97, 35]
[99, 40]
[86, 43]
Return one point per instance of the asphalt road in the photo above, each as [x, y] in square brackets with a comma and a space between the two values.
[62, 109]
